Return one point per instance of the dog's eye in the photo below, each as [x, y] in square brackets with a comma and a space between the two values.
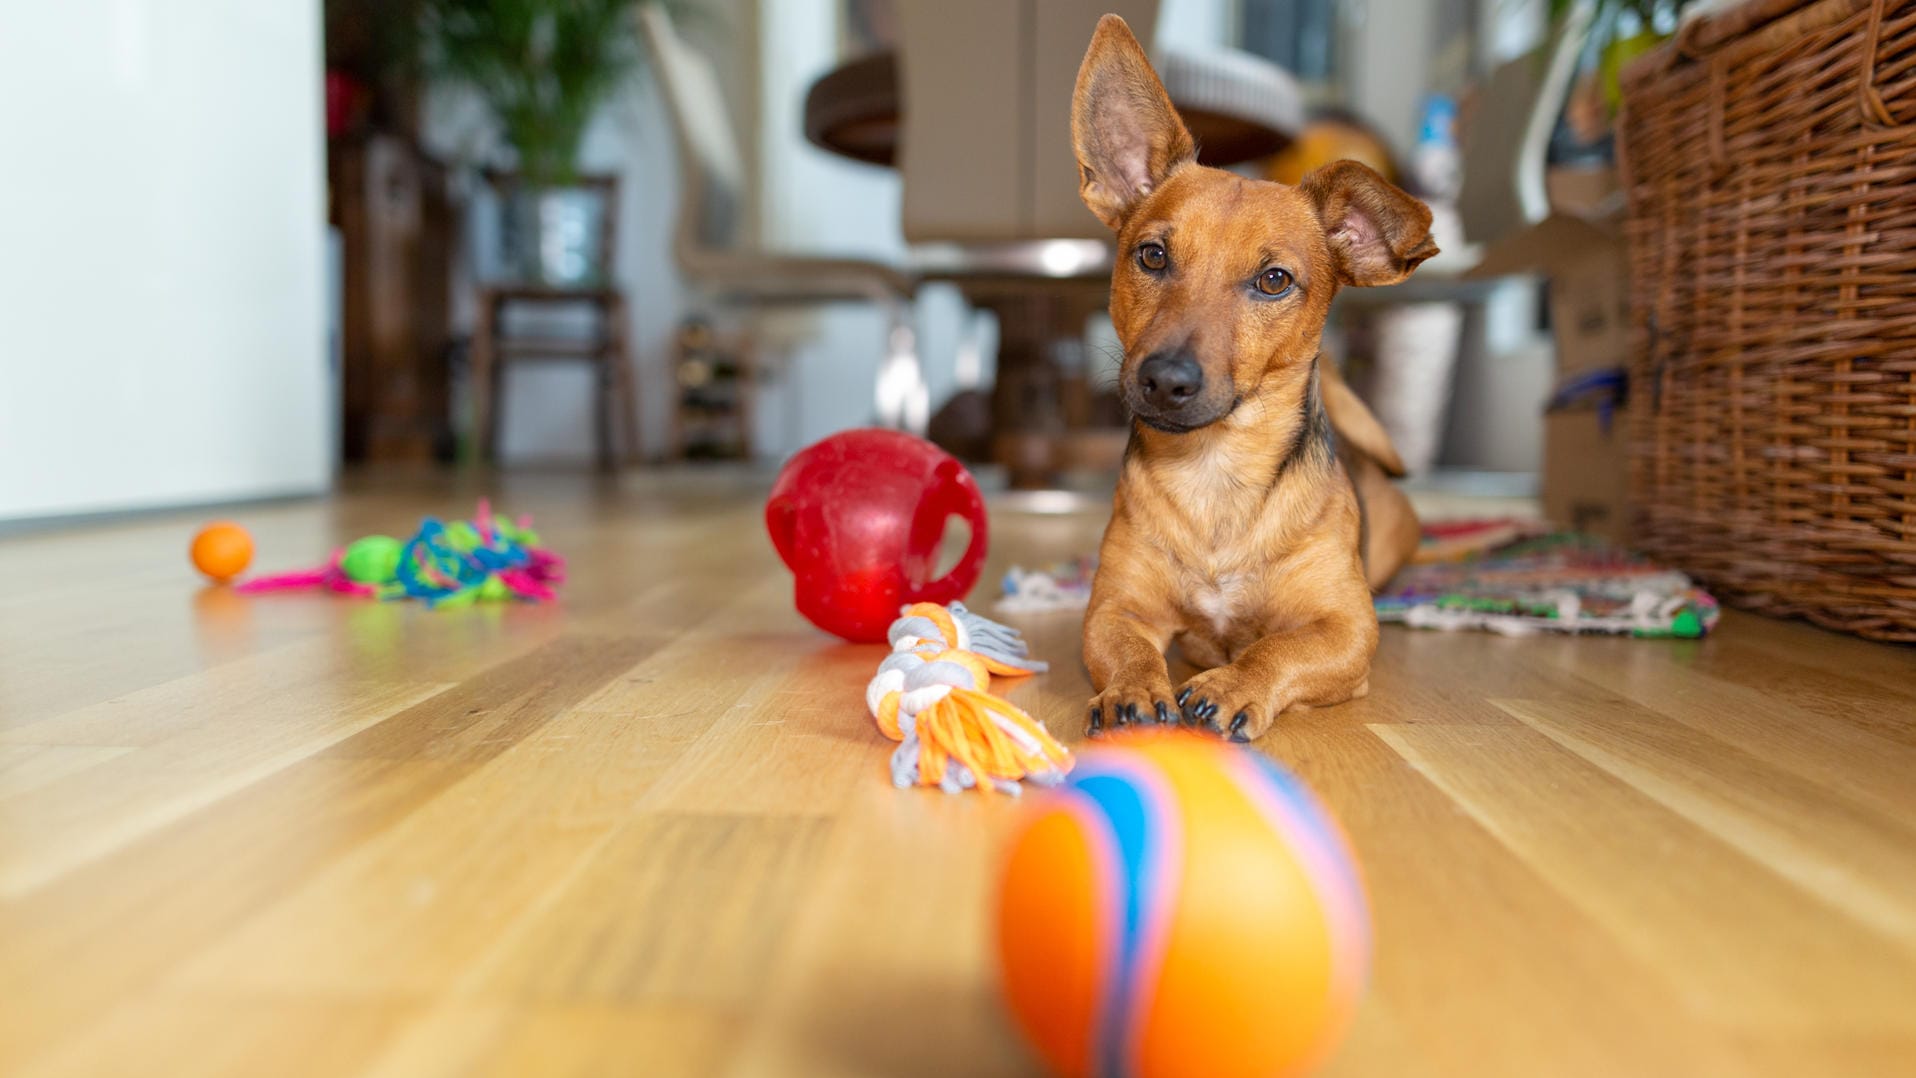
[1274, 282]
[1152, 257]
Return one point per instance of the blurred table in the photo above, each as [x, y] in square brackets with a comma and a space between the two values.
[852, 110]
[1045, 417]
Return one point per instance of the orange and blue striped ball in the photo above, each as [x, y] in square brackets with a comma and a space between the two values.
[1182, 907]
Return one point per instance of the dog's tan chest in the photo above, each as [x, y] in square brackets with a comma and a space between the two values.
[1220, 602]
[1221, 612]
[1226, 590]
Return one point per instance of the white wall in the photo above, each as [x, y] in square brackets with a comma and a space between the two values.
[162, 220]
[1196, 25]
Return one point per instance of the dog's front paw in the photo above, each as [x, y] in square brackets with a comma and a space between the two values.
[1131, 705]
[1228, 703]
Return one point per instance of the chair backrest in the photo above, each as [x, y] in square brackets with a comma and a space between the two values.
[713, 197]
[985, 116]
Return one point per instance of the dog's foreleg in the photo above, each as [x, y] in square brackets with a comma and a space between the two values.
[1324, 662]
[1124, 653]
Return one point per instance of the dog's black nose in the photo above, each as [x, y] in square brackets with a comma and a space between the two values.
[1170, 380]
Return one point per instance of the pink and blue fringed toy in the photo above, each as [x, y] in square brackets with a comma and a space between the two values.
[487, 559]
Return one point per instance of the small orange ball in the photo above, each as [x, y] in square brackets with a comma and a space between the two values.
[222, 550]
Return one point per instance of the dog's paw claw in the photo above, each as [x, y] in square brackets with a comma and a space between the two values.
[1118, 708]
[1217, 701]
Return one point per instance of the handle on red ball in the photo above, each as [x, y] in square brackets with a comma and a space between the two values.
[781, 517]
[956, 494]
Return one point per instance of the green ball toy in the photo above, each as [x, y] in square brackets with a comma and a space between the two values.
[372, 560]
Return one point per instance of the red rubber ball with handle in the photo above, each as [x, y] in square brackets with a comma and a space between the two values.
[858, 517]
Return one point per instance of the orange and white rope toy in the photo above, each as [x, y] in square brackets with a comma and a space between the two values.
[930, 696]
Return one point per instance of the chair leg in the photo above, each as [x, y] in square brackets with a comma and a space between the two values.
[484, 362]
[630, 451]
[497, 421]
[625, 383]
[902, 398]
[602, 379]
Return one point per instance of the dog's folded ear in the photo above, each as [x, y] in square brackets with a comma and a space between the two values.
[1378, 234]
[1125, 130]
[1354, 422]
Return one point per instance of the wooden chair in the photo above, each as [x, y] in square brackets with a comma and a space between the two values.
[604, 346]
[717, 258]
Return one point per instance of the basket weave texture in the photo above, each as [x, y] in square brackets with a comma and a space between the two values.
[1769, 155]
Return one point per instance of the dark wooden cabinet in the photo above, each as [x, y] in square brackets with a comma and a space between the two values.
[397, 219]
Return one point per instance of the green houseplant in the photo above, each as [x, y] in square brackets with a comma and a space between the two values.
[1594, 40]
[1620, 31]
[543, 69]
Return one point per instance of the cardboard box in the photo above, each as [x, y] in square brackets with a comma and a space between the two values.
[1585, 474]
[1585, 263]
[1491, 134]
[1586, 192]
[1585, 465]
[1579, 250]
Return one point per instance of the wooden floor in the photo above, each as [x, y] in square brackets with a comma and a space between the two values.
[650, 832]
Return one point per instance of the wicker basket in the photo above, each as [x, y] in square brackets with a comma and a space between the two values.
[1770, 158]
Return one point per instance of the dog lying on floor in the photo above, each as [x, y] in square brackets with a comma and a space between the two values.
[1254, 511]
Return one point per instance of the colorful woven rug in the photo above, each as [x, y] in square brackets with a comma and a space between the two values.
[1449, 540]
[1503, 576]
[1064, 586]
[1557, 583]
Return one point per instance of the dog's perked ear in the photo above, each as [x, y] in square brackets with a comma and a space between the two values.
[1377, 233]
[1125, 130]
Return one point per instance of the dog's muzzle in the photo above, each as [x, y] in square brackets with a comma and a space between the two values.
[1167, 393]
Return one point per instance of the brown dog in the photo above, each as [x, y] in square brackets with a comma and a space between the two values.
[1236, 530]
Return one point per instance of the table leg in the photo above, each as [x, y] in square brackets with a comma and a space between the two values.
[626, 381]
[484, 361]
[1042, 397]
